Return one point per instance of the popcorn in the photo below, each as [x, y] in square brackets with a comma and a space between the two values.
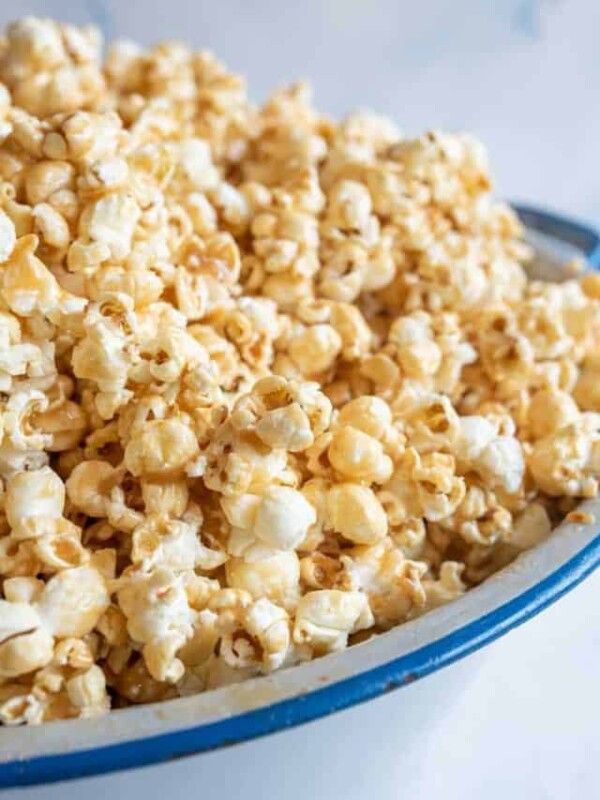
[269, 384]
[587, 389]
[425, 486]
[502, 464]
[88, 487]
[73, 601]
[429, 419]
[34, 501]
[356, 455]
[29, 288]
[355, 513]
[8, 236]
[325, 618]
[283, 518]
[159, 617]
[316, 349]
[284, 414]
[392, 583]
[17, 618]
[51, 226]
[480, 518]
[23, 651]
[171, 543]
[263, 638]
[51, 68]
[497, 459]
[448, 586]
[62, 548]
[277, 578]
[566, 462]
[163, 447]
[551, 409]
[371, 415]
[87, 692]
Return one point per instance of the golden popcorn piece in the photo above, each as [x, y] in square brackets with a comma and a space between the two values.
[262, 640]
[326, 617]
[88, 487]
[565, 463]
[73, 601]
[26, 652]
[34, 502]
[358, 456]
[391, 582]
[355, 513]
[163, 447]
[368, 414]
[25, 644]
[87, 692]
[277, 578]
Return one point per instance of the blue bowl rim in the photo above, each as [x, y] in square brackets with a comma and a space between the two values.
[577, 233]
[304, 708]
[344, 693]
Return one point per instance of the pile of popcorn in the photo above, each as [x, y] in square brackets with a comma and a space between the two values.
[269, 384]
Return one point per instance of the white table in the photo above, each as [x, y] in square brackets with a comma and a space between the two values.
[521, 74]
[524, 727]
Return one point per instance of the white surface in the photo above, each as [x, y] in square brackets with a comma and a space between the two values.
[523, 75]
[523, 726]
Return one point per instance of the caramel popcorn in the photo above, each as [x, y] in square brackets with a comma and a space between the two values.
[269, 384]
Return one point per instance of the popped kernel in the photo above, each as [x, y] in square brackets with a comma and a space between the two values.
[162, 447]
[371, 415]
[269, 383]
[276, 578]
[358, 456]
[283, 518]
[355, 513]
[73, 601]
[325, 618]
[34, 501]
[566, 461]
[25, 643]
[87, 692]
[263, 638]
[392, 583]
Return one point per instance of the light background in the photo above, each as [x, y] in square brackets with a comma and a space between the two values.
[524, 75]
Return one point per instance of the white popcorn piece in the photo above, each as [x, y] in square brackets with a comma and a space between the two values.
[73, 601]
[324, 619]
[111, 220]
[8, 236]
[283, 518]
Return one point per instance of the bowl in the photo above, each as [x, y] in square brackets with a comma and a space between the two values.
[159, 732]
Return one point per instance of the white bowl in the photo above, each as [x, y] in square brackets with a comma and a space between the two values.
[150, 734]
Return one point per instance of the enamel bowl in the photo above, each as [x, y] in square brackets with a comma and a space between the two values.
[151, 734]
